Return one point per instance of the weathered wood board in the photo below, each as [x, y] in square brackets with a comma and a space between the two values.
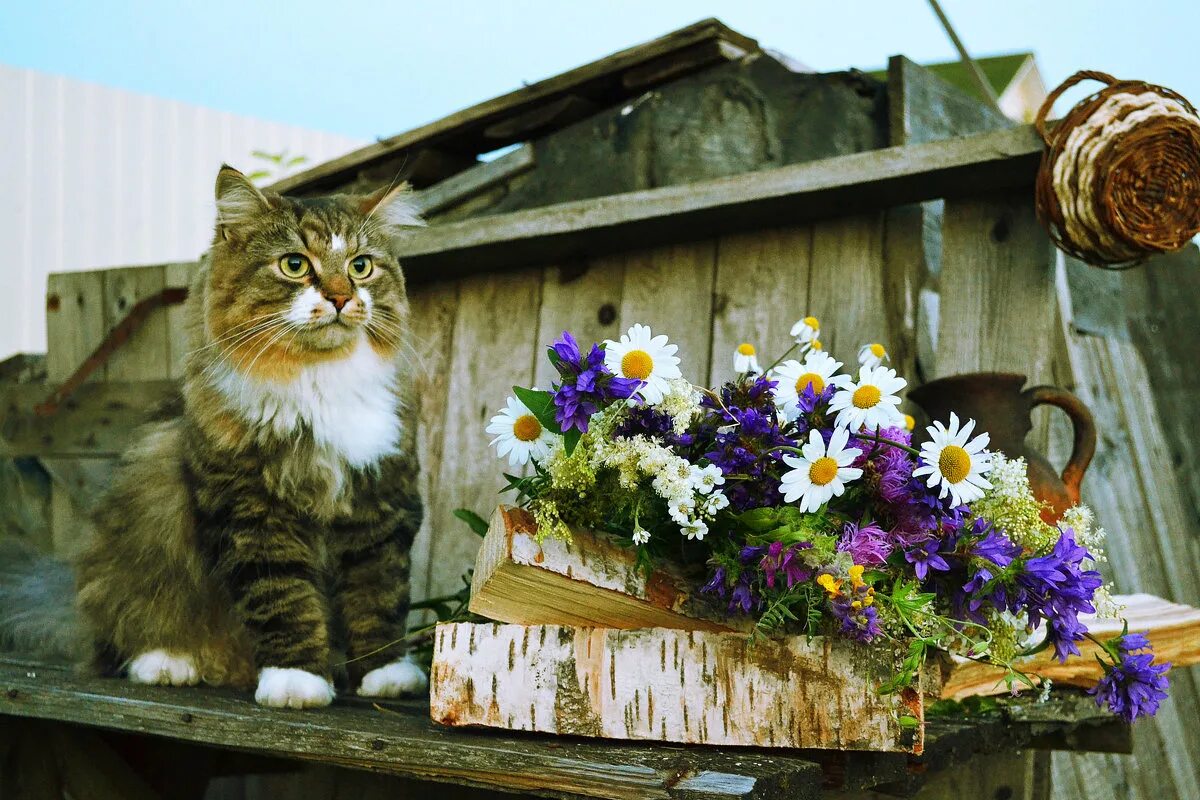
[590, 580]
[694, 687]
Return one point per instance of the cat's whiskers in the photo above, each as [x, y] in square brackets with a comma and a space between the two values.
[246, 337]
[288, 328]
[238, 329]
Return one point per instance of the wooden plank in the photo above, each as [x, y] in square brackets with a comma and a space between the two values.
[671, 290]
[752, 267]
[600, 79]
[431, 323]
[589, 581]
[493, 348]
[583, 298]
[74, 322]
[400, 740]
[147, 355]
[924, 108]
[660, 684]
[1173, 628]
[997, 305]
[470, 182]
[97, 421]
[846, 285]
[764, 198]
[177, 275]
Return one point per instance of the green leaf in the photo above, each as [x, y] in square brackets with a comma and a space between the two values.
[473, 520]
[907, 721]
[570, 439]
[541, 405]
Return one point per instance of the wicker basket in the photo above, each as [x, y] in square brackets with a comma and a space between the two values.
[1120, 178]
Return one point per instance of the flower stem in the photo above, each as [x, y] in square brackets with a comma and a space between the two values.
[881, 440]
[779, 360]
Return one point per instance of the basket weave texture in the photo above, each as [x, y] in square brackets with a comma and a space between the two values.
[1120, 177]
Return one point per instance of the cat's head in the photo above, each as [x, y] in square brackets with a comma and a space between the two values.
[298, 281]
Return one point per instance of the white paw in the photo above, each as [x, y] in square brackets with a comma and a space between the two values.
[164, 668]
[283, 687]
[393, 680]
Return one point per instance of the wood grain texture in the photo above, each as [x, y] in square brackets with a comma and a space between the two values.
[659, 684]
[846, 285]
[582, 297]
[74, 322]
[177, 275]
[147, 354]
[762, 288]
[589, 580]
[493, 349]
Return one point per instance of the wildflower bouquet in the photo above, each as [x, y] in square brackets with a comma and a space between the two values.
[795, 497]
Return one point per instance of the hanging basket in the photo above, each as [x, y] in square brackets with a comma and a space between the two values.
[1120, 177]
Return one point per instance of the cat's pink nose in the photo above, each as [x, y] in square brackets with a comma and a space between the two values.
[338, 300]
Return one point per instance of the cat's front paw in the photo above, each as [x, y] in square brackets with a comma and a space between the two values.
[393, 680]
[284, 687]
[163, 668]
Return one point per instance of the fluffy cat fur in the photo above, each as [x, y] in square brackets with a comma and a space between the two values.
[257, 532]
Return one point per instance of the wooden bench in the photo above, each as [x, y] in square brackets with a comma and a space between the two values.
[51, 711]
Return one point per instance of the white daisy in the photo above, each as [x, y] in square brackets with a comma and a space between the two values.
[872, 355]
[640, 535]
[870, 403]
[705, 479]
[519, 435]
[694, 529]
[805, 330]
[821, 472]
[745, 359]
[645, 357]
[957, 464]
[793, 377]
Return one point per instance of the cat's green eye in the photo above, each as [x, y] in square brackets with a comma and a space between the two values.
[294, 265]
[361, 267]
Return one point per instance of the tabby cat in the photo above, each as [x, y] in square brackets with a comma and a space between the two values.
[260, 537]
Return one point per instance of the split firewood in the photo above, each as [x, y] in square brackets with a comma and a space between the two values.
[660, 684]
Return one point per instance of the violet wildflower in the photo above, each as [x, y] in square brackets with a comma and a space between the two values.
[866, 544]
[924, 557]
[1133, 685]
[786, 561]
[1056, 588]
[855, 608]
[587, 385]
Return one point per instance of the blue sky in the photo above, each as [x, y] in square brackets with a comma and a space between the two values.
[372, 69]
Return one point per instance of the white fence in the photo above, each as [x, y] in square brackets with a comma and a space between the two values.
[92, 176]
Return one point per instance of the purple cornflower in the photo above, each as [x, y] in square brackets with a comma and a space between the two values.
[995, 546]
[894, 468]
[861, 624]
[646, 421]
[785, 561]
[866, 544]
[716, 585]
[1133, 685]
[586, 386]
[1054, 587]
[924, 557]
[741, 435]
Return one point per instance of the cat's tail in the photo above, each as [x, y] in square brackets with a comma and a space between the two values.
[37, 604]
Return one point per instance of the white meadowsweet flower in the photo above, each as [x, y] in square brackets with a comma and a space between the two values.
[643, 356]
[682, 509]
[640, 535]
[872, 355]
[821, 472]
[706, 479]
[805, 331]
[714, 503]
[955, 462]
[745, 359]
[871, 402]
[793, 377]
[696, 529]
[519, 435]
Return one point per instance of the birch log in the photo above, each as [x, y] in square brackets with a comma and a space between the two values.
[590, 580]
[660, 684]
[1173, 630]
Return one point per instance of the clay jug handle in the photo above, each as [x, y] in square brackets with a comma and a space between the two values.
[1083, 446]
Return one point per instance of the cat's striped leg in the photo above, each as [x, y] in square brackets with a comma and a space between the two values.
[271, 566]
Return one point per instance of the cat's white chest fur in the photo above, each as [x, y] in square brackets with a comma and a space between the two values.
[349, 405]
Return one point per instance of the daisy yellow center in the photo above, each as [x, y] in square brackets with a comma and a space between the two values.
[954, 463]
[812, 322]
[527, 428]
[866, 396]
[878, 351]
[810, 378]
[823, 471]
[909, 422]
[746, 349]
[816, 344]
[637, 364]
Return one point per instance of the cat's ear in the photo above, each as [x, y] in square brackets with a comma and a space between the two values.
[393, 206]
[239, 202]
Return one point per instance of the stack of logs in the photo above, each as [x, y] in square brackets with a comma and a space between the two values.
[590, 644]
